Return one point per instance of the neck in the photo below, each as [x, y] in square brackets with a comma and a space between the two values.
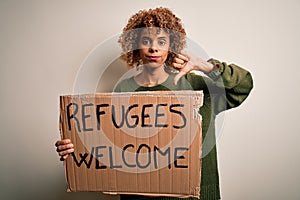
[151, 76]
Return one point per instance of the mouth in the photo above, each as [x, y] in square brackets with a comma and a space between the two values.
[153, 58]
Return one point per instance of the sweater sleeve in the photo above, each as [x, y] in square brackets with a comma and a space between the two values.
[235, 81]
[226, 87]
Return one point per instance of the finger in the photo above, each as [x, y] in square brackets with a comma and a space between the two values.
[177, 65]
[62, 158]
[62, 142]
[64, 147]
[179, 61]
[183, 57]
[65, 152]
[178, 76]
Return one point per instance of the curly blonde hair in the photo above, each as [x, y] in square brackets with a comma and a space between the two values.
[164, 19]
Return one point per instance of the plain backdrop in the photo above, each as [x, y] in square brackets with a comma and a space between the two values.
[43, 43]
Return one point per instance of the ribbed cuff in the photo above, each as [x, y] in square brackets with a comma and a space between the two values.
[217, 72]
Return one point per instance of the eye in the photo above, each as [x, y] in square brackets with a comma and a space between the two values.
[146, 41]
[162, 42]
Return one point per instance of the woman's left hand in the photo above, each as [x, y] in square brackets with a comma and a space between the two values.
[186, 62]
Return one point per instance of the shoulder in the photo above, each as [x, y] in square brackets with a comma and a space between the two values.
[125, 85]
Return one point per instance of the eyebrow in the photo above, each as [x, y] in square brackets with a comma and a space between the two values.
[147, 37]
[162, 37]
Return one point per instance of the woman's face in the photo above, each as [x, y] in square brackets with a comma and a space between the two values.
[154, 46]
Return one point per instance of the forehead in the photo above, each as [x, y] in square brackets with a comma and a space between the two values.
[153, 32]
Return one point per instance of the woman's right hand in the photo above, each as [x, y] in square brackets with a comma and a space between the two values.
[64, 148]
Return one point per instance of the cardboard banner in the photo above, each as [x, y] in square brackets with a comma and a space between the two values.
[146, 143]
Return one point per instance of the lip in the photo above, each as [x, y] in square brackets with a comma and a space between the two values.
[153, 58]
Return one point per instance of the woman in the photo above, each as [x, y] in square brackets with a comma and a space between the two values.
[154, 39]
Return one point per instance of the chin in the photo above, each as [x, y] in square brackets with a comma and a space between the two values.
[154, 65]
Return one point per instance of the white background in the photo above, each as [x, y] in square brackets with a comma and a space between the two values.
[43, 43]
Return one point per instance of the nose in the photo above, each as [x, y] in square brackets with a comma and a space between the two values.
[153, 49]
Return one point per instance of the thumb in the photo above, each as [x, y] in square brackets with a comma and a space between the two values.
[178, 76]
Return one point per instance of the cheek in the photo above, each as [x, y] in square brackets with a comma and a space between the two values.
[166, 52]
[165, 55]
[142, 52]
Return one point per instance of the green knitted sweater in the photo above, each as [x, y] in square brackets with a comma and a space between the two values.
[225, 88]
